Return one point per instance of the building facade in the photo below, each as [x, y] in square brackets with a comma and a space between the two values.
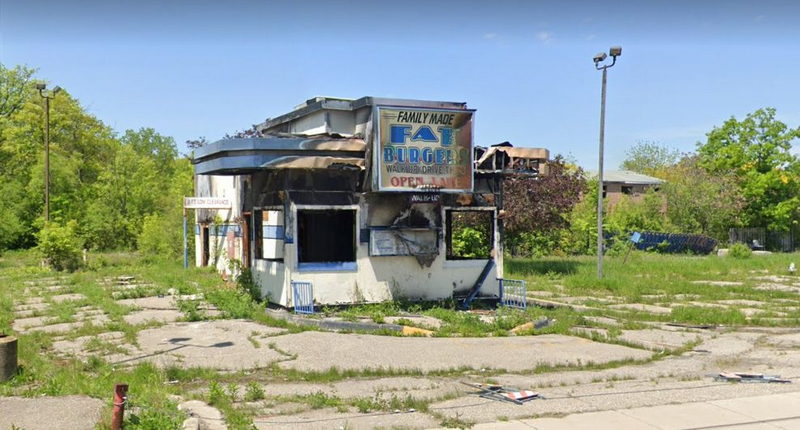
[364, 199]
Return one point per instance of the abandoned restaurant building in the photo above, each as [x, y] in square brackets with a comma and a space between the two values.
[359, 201]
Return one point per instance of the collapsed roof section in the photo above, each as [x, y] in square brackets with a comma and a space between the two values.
[503, 158]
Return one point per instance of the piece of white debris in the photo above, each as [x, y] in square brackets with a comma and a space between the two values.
[792, 268]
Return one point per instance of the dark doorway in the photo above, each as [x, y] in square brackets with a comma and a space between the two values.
[246, 229]
[326, 236]
[206, 245]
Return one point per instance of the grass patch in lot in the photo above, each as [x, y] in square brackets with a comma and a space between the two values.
[665, 280]
[706, 315]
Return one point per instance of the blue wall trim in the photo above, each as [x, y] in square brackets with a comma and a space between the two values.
[273, 232]
[346, 266]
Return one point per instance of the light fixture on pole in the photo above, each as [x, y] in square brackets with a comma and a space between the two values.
[614, 52]
[47, 95]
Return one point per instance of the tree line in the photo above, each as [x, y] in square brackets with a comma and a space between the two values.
[108, 190]
[111, 190]
[744, 174]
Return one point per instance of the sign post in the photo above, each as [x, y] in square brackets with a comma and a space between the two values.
[185, 242]
[199, 203]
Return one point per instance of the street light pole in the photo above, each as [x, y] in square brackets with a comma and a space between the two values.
[615, 52]
[46, 96]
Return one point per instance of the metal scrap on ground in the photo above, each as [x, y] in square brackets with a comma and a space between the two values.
[750, 377]
[504, 394]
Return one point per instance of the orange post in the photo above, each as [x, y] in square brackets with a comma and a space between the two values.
[120, 395]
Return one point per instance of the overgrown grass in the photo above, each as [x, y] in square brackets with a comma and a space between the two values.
[664, 280]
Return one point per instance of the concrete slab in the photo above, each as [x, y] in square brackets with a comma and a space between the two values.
[778, 287]
[418, 321]
[603, 320]
[791, 340]
[661, 310]
[81, 346]
[590, 421]
[155, 302]
[331, 419]
[149, 315]
[209, 417]
[23, 324]
[659, 340]
[41, 413]
[67, 298]
[778, 406]
[221, 344]
[720, 283]
[317, 351]
[741, 302]
[96, 320]
[688, 415]
[418, 388]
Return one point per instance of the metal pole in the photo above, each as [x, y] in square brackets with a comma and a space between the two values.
[47, 159]
[185, 243]
[120, 396]
[600, 180]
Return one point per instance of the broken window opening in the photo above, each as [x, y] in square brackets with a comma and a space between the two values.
[627, 190]
[470, 234]
[327, 237]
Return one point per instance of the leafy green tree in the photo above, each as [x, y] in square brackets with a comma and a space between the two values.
[757, 150]
[15, 88]
[127, 191]
[647, 213]
[650, 158]
[700, 202]
[147, 143]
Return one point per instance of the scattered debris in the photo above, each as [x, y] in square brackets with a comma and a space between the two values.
[416, 331]
[504, 394]
[749, 377]
[533, 325]
[696, 326]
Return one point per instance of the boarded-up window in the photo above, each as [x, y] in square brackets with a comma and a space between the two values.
[272, 234]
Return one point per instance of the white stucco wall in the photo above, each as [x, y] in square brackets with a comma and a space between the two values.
[375, 279]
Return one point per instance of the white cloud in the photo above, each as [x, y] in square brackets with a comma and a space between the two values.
[544, 36]
[490, 36]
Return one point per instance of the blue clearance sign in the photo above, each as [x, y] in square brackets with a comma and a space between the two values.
[423, 149]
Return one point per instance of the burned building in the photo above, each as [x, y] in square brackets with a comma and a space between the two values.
[361, 200]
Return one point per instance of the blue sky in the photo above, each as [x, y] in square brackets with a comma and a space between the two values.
[206, 68]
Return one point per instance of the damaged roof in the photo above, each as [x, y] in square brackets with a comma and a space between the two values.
[246, 155]
[334, 103]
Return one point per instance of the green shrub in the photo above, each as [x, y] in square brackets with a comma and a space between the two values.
[740, 250]
[469, 242]
[244, 279]
[61, 246]
[253, 392]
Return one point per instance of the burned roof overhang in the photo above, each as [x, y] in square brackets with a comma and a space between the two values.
[242, 156]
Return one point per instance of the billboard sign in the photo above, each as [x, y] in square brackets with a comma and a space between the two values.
[420, 149]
